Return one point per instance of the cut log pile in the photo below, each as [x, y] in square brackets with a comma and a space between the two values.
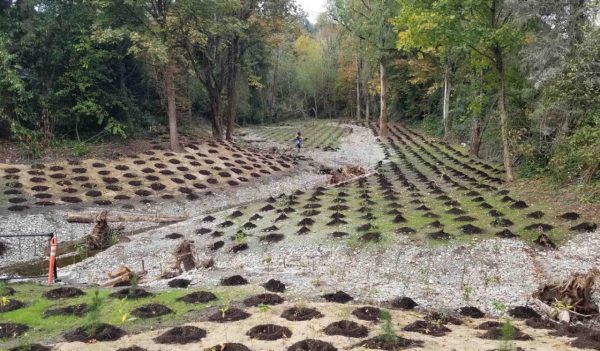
[123, 276]
[91, 217]
[346, 174]
[569, 300]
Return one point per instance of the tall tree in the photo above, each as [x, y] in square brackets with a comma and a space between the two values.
[370, 21]
[485, 27]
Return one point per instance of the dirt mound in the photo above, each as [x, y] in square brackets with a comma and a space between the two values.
[439, 235]
[31, 347]
[229, 315]
[470, 229]
[367, 313]
[569, 216]
[132, 348]
[269, 332]
[347, 328]
[586, 338]
[131, 293]
[404, 303]
[198, 297]
[498, 333]
[371, 237]
[536, 215]
[63, 293]
[519, 205]
[11, 305]
[99, 332]
[274, 286]
[427, 328]
[234, 280]
[311, 345]
[405, 230]
[523, 312]
[545, 241]
[239, 247]
[584, 227]
[338, 296]
[341, 175]
[540, 323]
[383, 342]
[174, 236]
[181, 335]
[73, 310]
[12, 330]
[470, 311]
[296, 314]
[228, 346]
[339, 234]
[272, 238]
[441, 318]
[506, 233]
[179, 283]
[263, 299]
[151, 311]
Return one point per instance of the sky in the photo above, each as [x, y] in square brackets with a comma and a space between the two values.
[313, 8]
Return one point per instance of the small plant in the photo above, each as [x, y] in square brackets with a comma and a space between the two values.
[3, 289]
[4, 301]
[93, 313]
[133, 283]
[507, 331]
[123, 314]
[114, 237]
[80, 252]
[80, 149]
[387, 328]
[224, 310]
[507, 334]
[467, 293]
[499, 307]
[240, 237]
[263, 308]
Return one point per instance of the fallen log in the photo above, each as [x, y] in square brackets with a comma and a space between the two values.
[92, 217]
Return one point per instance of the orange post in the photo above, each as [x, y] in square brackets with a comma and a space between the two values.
[52, 265]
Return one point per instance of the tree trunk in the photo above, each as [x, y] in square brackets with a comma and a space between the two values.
[475, 138]
[357, 88]
[169, 75]
[367, 108]
[215, 117]
[446, 103]
[274, 89]
[231, 90]
[383, 117]
[506, 155]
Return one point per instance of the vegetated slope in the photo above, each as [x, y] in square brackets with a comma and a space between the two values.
[146, 177]
[425, 189]
[316, 134]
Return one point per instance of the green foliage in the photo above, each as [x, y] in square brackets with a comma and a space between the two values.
[576, 157]
[432, 125]
[93, 311]
[387, 327]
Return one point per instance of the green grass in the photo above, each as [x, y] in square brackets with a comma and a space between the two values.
[112, 310]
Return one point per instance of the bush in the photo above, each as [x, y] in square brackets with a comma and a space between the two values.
[576, 157]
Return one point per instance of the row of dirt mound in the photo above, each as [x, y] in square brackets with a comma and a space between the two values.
[153, 175]
[331, 326]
